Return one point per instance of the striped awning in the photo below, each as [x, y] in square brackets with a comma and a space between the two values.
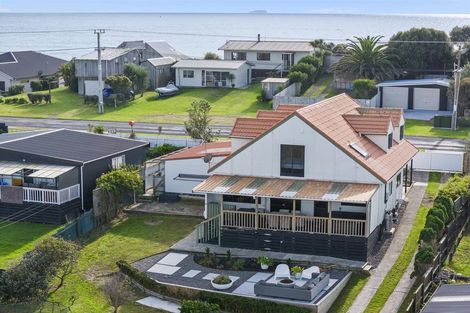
[287, 188]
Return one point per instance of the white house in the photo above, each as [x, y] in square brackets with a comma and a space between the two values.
[414, 94]
[23, 67]
[312, 180]
[267, 56]
[212, 73]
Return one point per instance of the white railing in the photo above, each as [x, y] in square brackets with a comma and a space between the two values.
[342, 226]
[38, 195]
[304, 224]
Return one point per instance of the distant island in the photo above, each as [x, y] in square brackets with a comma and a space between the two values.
[258, 12]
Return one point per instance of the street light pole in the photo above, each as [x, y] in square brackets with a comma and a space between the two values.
[98, 33]
[457, 76]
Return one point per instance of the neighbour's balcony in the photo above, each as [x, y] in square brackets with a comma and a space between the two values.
[283, 222]
[47, 196]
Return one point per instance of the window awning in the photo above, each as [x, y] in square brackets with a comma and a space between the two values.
[287, 188]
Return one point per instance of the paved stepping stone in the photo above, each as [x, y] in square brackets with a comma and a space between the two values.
[163, 269]
[157, 303]
[247, 288]
[259, 276]
[191, 273]
[172, 259]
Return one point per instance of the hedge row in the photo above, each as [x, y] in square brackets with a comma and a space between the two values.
[227, 303]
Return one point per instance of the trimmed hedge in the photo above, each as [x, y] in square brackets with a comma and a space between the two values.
[190, 306]
[226, 302]
[427, 234]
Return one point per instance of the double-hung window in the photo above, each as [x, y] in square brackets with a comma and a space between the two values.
[118, 161]
[188, 74]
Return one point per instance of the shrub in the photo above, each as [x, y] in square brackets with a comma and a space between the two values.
[265, 260]
[435, 223]
[1, 99]
[456, 186]
[11, 100]
[35, 98]
[439, 213]
[306, 68]
[190, 306]
[427, 235]
[222, 280]
[316, 61]
[15, 90]
[161, 150]
[425, 255]
[98, 129]
[464, 121]
[22, 101]
[297, 77]
[36, 86]
[364, 88]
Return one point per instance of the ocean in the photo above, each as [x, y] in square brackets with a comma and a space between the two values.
[70, 35]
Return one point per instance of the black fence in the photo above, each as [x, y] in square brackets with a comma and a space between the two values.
[446, 249]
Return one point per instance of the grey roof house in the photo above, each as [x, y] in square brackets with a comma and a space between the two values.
[267, 56]
[114, 60]
[53, 173]
[22, 67]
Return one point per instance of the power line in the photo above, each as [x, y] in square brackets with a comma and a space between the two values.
[23, 218]
[7, 219]
[45, 31]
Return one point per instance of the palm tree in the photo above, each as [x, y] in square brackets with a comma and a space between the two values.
[367, 58]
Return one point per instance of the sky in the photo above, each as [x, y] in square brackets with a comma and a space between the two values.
[242, 6]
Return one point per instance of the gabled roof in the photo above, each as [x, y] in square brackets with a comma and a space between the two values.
[166, 50]
[279, 115]
[161, 61]
[107, 54]
[28, 64]
[396, 114]
[329, 118]
[215, 149]
[246, 127]
[277, 46]
[71, 145]
[289, 107]
[369, 124]
[415, 82]
[210, 64]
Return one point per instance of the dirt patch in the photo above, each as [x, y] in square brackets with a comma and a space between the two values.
[153, 222]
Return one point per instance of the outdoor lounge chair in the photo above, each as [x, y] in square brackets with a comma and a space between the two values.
[282, 271]
[307, 273]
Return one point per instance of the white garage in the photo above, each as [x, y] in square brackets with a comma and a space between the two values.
[414, 94]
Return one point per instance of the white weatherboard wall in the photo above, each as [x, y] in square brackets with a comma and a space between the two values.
[241, 76]
[275, 60]
[195, 166]
[441, 161]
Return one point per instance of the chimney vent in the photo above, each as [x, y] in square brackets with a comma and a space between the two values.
[259, 37]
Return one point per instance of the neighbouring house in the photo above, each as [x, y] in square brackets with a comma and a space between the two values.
[453, 298]
[212, 73]
[318, 179]
[159, 71]
[23, 67]
[114, 60]
[415, 94]
[49, 176]
[267, 57]
[273, 85]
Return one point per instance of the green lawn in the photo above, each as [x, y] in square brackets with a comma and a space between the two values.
[349, 293]
[227, 104]
[19, 238]
[425, 129]
[460, 262]
[434, 182]
[132, 239]
[397, 270]
[318, 87]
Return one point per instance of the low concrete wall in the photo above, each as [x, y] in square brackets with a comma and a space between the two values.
[290, 96]
[439, 161]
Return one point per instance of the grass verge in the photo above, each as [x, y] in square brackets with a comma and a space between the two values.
[460, 263]
[426, 129]
[349, 293]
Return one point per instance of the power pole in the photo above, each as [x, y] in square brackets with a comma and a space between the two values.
[98, 33]
[457, 76]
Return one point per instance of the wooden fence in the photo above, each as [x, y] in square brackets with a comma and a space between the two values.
[446, 249]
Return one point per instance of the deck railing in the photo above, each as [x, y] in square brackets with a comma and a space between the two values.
[209, 230]
[49, 196]
[305, 224]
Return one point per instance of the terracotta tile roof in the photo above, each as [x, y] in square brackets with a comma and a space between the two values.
[369, 124]
[283, 188]
[394, 113]
[327, 118]
[289, 107]
[280, 115]
[252, 127]
[216, 149]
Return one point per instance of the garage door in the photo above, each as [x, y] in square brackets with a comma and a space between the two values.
[426, 99]
[395, 97]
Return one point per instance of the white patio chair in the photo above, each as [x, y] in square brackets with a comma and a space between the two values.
[307, 273]
[282, 271]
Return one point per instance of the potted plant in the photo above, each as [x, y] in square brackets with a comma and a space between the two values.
[222, 282]
[297, 271]
[265, 262]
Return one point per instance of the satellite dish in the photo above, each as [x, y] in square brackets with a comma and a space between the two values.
[207, 158]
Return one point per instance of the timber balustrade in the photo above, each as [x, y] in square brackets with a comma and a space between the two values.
[305, 224]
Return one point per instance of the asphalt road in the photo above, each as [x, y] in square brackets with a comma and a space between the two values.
[429, 143]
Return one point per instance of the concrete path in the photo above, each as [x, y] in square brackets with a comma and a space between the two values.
[414, 198]
[160, 304]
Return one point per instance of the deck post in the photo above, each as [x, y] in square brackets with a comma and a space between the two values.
[329, 218]
[256, 212]
[406, 178]
[367, 229]
[221, 216]
[293, 215]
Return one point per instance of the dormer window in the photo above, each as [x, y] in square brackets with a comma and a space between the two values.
[402, 132]
[390, 140]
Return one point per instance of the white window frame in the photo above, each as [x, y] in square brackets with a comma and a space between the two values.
[118, 161]
[188, 73]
